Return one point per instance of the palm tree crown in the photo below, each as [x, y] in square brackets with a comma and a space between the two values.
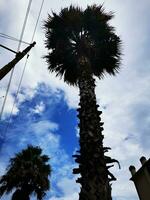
[74, 34]
[27, 172]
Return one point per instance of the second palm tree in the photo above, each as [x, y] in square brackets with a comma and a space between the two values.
[28, 174]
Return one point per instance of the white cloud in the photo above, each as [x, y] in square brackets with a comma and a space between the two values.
[44, 126]
[39, 108]
[69, 188]
[9, 104]
[77, 132]
[66, 185]
[73, 196]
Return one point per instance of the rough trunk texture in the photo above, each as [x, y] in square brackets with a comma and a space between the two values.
[92, 162]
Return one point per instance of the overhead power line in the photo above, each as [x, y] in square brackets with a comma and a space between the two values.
[3, 35]
[26, 59]
[8, 48]
[37, 20]
[19, 86]
[7, 125]
[24, 24]
[7, 68]
[19, 45]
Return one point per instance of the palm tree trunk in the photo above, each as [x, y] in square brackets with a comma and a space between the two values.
[92, 163]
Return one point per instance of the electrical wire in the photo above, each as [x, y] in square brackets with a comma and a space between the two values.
[24, 24]
[20, 82]
[37, 20]
[12, 38]
[15, 100]
[19, 45]
[27, 58]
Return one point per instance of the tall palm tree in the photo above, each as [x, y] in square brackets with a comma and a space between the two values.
[27, 173]
[82, 44]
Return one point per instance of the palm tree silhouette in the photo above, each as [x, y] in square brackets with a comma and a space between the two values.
[82, 44]
[27, 173]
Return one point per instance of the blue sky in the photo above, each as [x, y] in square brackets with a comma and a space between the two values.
[45, 113]
[40, 121]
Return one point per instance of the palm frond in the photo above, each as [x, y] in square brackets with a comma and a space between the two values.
[28, 170]
[74, 33]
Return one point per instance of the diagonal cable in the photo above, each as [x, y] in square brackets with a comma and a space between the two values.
[12, 38]
[19, 86]
[19, 45]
